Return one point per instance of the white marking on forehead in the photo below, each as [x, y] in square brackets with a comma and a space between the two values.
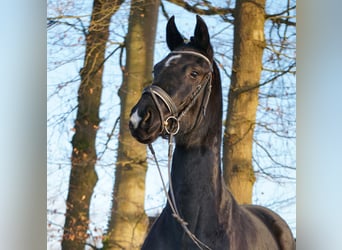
[167, 63]
[135, 119]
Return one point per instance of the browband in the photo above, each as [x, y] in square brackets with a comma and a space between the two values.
[196, 54]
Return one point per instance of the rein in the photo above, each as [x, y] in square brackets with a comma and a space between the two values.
[171, 198]
[171, 127]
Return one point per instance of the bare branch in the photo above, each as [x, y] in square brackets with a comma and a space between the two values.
[281, 13]
[279, 18]
[271, 158]
[265, 126]
[109, 137]
[210, 9]
[166, 15]
[257, 85]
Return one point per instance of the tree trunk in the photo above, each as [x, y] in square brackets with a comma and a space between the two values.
[128, 225]
[249, 44]
[83, 177]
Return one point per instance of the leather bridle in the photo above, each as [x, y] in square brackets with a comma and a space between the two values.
[170, 123]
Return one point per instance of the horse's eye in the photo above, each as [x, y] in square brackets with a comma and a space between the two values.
[194, 74]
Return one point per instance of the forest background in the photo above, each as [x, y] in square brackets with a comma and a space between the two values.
[273, 159]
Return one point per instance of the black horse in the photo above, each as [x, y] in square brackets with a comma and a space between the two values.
[185, 100]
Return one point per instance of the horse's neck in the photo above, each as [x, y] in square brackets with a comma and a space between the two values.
[197, 183]
[196, 169]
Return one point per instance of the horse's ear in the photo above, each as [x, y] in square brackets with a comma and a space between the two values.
[173, 38]
[201, 34]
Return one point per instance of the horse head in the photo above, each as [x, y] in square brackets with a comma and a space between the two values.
[177, 99]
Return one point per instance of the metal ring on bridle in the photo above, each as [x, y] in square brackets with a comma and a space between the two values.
[169, 126]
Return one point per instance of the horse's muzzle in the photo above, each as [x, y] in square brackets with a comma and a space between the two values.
[144, 125]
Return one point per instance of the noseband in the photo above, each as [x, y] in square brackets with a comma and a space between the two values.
[170, 124]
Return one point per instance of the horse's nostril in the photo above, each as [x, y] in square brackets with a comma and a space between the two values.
[147, 117]
[147, 120]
